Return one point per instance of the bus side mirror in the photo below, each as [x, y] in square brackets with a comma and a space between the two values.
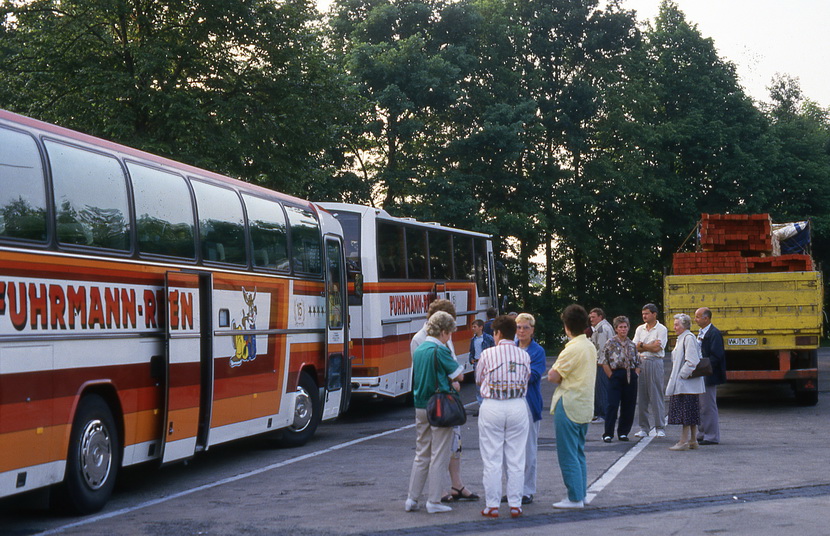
[355, 276]
[358, 285]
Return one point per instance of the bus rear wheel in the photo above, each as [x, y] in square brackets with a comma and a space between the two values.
[307, 413]
[93, 459]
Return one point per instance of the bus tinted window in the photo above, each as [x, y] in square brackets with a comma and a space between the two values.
[269, 234]
[350, 222]
[221, 224]
[306, 246]
[163, 211]
[22, 191]
[416, 249]
[463, 250]
[391, 254]
[440, 255]
[482, 272]
[90, 197]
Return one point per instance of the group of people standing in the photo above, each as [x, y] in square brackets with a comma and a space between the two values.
[509, 366]
[601, 375]
[635, 376]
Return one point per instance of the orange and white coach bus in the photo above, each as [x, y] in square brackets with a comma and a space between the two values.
[402, 265]
[150, 310]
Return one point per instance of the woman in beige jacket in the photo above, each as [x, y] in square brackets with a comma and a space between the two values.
[683, 391]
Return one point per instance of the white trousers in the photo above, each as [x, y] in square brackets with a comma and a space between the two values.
[502, 438]
[530, 454]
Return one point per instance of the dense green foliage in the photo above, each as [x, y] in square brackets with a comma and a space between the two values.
[587, 143]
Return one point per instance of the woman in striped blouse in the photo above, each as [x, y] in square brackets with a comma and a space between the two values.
[502, 374]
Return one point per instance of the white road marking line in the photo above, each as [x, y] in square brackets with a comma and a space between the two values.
[228, 480]
[613, 471]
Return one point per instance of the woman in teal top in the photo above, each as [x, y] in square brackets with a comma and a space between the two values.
[432, 365]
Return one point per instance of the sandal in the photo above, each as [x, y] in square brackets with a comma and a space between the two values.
[515, 511]
[449, 497]
[458, 495]
[490, 512]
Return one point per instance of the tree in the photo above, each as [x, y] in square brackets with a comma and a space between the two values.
[406, 57]
[708, 142]
[799, 187]
[242, 87]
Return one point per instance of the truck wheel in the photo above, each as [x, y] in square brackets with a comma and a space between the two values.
[307, 413]
[93, 459]
[806, 398]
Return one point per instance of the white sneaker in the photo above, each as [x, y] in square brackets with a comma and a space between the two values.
[641, 433]
[411, 506]
[567, 503]
[437, 508]
[661, 433]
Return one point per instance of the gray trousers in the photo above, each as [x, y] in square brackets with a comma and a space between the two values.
[530, 455]
[709, 428]
[650, 395]
[432, 456]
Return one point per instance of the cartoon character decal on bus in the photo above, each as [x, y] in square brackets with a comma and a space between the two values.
[245, 345]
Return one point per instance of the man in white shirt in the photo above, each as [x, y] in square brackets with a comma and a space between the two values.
[651, 339]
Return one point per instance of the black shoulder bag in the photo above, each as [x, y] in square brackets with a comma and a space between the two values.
[444, 409]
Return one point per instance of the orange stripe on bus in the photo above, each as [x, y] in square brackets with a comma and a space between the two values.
[185, 423]
[242, 408]
[142, 426]
[32, 447]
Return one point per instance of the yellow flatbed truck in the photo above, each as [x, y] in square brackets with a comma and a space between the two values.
[771, 323]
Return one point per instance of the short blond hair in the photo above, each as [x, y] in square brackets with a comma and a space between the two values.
[526, 317]
[439, 322]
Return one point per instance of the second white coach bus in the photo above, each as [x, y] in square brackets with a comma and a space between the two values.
[397, 267]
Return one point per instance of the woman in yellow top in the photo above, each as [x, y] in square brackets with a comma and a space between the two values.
[575, 372]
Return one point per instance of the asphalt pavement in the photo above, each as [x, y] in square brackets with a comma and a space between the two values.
[769, 475]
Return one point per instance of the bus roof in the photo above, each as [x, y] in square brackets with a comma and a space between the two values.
[73, 135]
[381, 214]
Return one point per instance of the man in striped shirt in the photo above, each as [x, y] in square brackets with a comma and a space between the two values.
[502, 374]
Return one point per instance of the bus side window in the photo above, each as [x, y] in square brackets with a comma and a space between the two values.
[463, 250]
[163, 211]
[90, 197]
[440, 255]
[268, 233]
[416, 253]
[306, 243]
[391, 253]
[22, 190]
[221, 223]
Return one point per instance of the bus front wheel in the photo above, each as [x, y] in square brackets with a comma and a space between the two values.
[92, 460]
[307, 413]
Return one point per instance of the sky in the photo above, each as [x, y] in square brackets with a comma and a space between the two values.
[762, 38]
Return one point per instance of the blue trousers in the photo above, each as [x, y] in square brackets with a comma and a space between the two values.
[622, 397]
[600, 393]
[570, 449]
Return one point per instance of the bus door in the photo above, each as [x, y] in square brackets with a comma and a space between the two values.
[189, 365]
[338, 365]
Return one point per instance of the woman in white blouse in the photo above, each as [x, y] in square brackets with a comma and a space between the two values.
[683, 390]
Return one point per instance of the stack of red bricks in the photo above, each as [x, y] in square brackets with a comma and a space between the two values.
[751, 234]
[737, 243]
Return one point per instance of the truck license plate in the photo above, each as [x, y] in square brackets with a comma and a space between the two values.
[742, 342]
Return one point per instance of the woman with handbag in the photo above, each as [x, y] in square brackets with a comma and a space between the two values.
[683, 389]
[433, 368]
[502, 374]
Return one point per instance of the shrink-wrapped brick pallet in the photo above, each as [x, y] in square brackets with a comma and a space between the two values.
[737, 243]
